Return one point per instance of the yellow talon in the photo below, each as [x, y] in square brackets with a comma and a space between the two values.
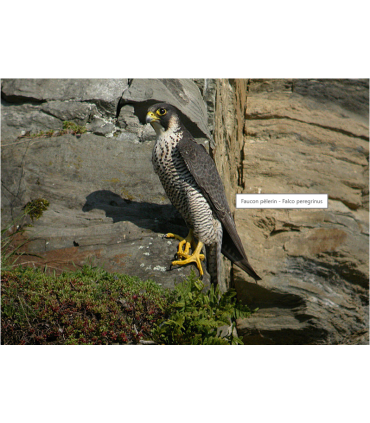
[196, 258]
[180, 238]
[183, 253]
[188, 242]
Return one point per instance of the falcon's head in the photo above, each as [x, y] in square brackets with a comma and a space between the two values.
[162, 117]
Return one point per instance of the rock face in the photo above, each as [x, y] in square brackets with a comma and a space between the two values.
[108, 207]
[306, 136]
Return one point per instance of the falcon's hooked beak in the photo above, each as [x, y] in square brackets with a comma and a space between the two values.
[151, 117]
[155, 122]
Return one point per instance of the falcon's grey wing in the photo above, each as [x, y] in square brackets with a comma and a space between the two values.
[203, 169]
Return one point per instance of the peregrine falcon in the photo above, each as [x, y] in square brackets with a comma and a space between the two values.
[190, 178]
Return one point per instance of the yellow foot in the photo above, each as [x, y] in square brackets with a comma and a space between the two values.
[196, 258]
[184, 245]
[183, 255]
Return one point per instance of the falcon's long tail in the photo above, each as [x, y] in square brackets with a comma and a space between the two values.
[244, 265]
[232, 252]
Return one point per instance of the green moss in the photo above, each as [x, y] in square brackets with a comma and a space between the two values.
[35, 208]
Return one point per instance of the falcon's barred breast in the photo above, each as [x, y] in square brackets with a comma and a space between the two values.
[190, 178]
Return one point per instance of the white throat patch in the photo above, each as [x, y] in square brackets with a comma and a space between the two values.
[159, 130]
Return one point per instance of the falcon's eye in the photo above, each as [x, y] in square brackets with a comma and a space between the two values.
[161, 112]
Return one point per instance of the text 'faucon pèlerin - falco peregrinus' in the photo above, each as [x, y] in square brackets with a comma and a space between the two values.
[190, 178]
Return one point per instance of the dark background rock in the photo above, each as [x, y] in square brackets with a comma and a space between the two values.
[107, 206]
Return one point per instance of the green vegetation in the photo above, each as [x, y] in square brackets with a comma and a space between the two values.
[70, 127]
[10, 252]
[38, 134]
[35, 208]
[11, 234]
[196, 316]
[92, 306]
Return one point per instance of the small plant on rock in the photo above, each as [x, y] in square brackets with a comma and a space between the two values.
[73, 128]
[11, 234]
[196, 316]
[35, 208]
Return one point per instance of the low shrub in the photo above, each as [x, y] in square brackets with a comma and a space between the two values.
[93, 307]
[86, 307]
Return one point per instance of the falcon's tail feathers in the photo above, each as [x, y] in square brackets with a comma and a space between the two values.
[244, 265]
[234, 251]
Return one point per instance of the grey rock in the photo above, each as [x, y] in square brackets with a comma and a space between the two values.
[102, 92]
[103, 198]
[127, 136]
[207, 88]
[106, 129]
[181, 93]
[100, 127]
[27, 118]
[74, 111]
[106, 204]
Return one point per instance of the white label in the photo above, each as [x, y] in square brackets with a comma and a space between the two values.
[281, 201]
